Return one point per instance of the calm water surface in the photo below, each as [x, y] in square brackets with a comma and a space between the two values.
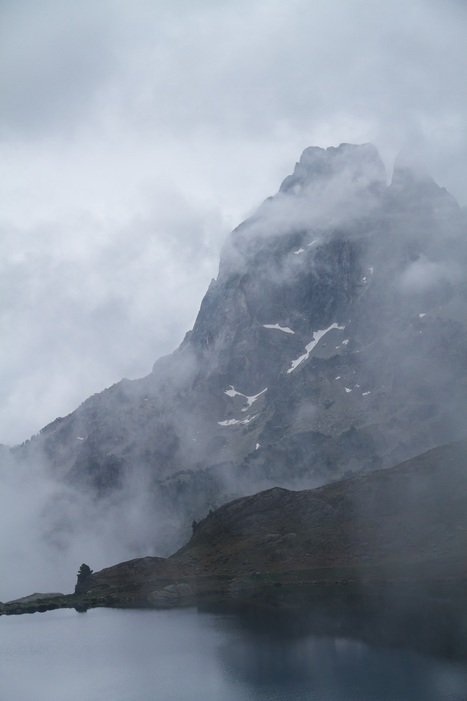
[113, 655]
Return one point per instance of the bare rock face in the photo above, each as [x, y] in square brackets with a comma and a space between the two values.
[333, 340]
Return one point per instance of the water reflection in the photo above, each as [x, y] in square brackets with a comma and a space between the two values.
[315, 654]
[354, 644]
[338, 670]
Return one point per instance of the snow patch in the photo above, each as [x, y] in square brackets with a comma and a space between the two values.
[248, 419]
[300, 250]
[253, 398]
[232, 392]
[421, 316]
[317, 336]
[338, 377]
[311, 244]
[365, 394]
[258, 445]
[80, 438]
[232, 422]
[347, 389]
[285, 329]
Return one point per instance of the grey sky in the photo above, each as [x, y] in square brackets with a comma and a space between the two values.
[134, 136]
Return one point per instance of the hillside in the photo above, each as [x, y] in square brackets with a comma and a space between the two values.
[406, 524]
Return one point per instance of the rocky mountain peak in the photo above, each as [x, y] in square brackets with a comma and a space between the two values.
[358, 163]
[332, 341]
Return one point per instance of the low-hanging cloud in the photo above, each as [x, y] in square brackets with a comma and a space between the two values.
[423, 274]
[119, 120]
[86, 303]
[47, 529]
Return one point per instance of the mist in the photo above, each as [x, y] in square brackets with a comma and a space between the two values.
[48, 529]
[134, 138]
[123, 475]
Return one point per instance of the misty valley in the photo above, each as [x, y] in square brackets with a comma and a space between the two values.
[279, 508]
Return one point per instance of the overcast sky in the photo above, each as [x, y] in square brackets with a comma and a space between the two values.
[134, 136]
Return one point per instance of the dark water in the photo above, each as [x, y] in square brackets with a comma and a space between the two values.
[118, 655]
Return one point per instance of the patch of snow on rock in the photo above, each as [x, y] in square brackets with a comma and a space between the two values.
[317, 336]
[421, 316]
[347, 389]
[232, 422]
[232, 392]
[248, 419]
[300, 250]
[285, 329]
[252, 399]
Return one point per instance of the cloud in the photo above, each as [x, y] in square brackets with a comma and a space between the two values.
[134, 136]
[329, 192]
[422, 274]
[57, 57]
[47, 529]
[86, 302]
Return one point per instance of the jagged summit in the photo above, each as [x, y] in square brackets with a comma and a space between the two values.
[333, 340]
[360, 163]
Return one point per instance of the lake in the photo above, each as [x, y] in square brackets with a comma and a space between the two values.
[187, 655]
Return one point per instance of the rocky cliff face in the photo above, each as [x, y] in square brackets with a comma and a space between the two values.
[333, 340]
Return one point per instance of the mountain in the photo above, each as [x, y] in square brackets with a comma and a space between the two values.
[334, 340]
